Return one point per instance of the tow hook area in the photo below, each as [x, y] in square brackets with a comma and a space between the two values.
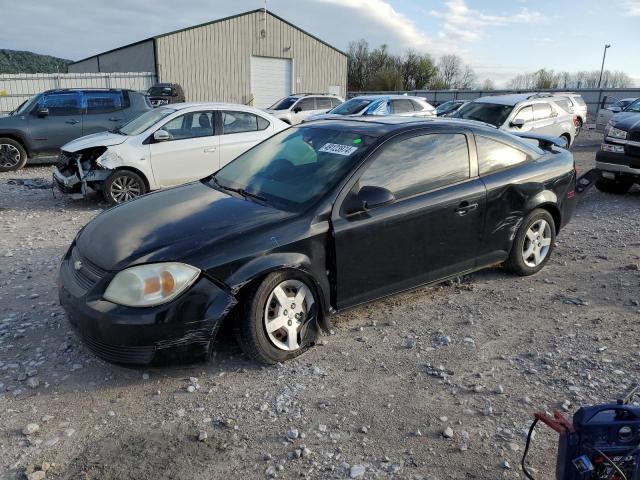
[587, 180]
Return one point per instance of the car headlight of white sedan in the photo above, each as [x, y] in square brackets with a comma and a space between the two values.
[616, 133]
[150, 285]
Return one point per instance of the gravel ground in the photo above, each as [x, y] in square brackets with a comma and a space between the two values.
[438, 383]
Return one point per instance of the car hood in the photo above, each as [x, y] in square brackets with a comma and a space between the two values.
[626, 121]
[328, 116]
[101, 139]
[176, 224]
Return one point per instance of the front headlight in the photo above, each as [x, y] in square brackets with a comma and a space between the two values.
[109, 156]
[150, 285]
[617, 133]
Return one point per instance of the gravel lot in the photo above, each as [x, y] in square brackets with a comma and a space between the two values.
[471, 359]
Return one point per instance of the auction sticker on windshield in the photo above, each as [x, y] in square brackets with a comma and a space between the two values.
[345, 150]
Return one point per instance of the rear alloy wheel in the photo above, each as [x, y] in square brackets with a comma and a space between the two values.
[533, 244]
[12, 155]
[618, 186]
[123, 186]
[275, 320]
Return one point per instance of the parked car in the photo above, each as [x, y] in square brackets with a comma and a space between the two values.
[166, 146]
[296, 108]
[165, 94]
[535, 113]
[41, 125]
[401, 105]
[318, 218]
[619, 156]
[448, 108]
[608, 108]
[578, 107]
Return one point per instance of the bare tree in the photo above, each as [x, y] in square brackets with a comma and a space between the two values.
[449, 70]
[487, 84]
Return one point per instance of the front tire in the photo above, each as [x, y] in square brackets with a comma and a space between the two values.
[617, 186]
[533, 244]
[276, 318]
[13, 156]
[122, 186]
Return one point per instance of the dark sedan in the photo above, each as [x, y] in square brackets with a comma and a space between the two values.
[318, 218]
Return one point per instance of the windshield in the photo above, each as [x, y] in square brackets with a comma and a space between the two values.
[145, 121]
[159, 92]
[633, 107]
[283, 103]
[446, 107]
[27, 106]
[351, 107]
[295, 167]
[492, 113]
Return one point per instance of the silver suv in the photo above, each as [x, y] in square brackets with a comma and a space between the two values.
[296, 108]
[518, 113]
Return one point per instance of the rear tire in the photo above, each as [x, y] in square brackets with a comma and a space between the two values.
[567, 137]
[262, 307]
[533, 244]
[122, 186]
[13, 156]
[618, 186]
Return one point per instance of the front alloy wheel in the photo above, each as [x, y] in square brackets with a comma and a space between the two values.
[12, 155]
[278, 320]
[122, 186]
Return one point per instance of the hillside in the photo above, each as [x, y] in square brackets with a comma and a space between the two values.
[14, 61]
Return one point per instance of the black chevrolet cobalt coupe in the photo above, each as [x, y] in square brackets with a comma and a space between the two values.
[318, 218]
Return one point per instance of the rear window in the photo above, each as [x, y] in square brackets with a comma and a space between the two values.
[351, 107]
[579, 101]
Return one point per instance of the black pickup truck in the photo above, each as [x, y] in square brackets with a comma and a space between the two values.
[618, 159]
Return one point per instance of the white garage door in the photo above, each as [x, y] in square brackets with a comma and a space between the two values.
[270, 80]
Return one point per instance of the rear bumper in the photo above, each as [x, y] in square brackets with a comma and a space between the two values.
[182, 329]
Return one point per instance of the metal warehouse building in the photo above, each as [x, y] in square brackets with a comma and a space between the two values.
[252, 58]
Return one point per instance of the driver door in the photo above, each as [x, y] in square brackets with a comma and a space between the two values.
[191, 153]
[61, 123]
[431, 230]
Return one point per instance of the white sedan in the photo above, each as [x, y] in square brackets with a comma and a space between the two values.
[164, 147]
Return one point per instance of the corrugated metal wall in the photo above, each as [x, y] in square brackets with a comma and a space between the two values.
[212, 62]
[15, 89]
[138, 57]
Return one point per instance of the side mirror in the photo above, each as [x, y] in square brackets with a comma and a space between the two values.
[518, 123]
[367, 198]
[43, 112]
[615, 109]
[297, 110]
[162, 136]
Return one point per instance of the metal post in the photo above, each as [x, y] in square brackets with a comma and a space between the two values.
[604, 55]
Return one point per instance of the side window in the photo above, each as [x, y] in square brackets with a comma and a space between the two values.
[323, 103]
[401, 106]
[306, 104]
[104, 102]
[525, 113]
[541, 111]
[494, 155]
[191, 125]
[335, 102]
[419, 164]
[59, 104]
[416, 106]
[239, 122]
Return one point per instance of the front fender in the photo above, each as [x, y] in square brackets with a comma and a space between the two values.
[261, 266]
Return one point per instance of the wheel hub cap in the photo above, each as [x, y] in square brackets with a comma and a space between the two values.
[125, 188]
[288, 308]
[536, 243]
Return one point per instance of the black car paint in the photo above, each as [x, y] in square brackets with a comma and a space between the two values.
[349, 259]
[629, 122]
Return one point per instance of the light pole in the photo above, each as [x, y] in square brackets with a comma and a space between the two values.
[604, 55]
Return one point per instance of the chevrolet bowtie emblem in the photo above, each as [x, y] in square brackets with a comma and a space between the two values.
[77, 265]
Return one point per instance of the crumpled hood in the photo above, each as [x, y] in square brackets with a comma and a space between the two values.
[173, 225]
[101, 139]
[626, 121]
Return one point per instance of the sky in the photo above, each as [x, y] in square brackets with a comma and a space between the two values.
[498, 38]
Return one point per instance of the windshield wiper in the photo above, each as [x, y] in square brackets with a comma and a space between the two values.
[240, 191]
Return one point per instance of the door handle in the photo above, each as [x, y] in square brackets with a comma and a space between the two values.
[209, 149]
[466, 207]
[72, 122]
[114, 119]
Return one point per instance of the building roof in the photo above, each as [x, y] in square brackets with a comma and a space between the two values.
[210, 23]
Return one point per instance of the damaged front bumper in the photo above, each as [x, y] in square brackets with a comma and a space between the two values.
[181, 330]
[73, 179]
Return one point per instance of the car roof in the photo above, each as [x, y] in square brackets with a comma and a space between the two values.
[91, 89]
[214, 105]
[514, 98]
[388, 97]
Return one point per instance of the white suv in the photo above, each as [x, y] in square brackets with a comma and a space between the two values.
[296, 108]
[519, 113]
[167, 146]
